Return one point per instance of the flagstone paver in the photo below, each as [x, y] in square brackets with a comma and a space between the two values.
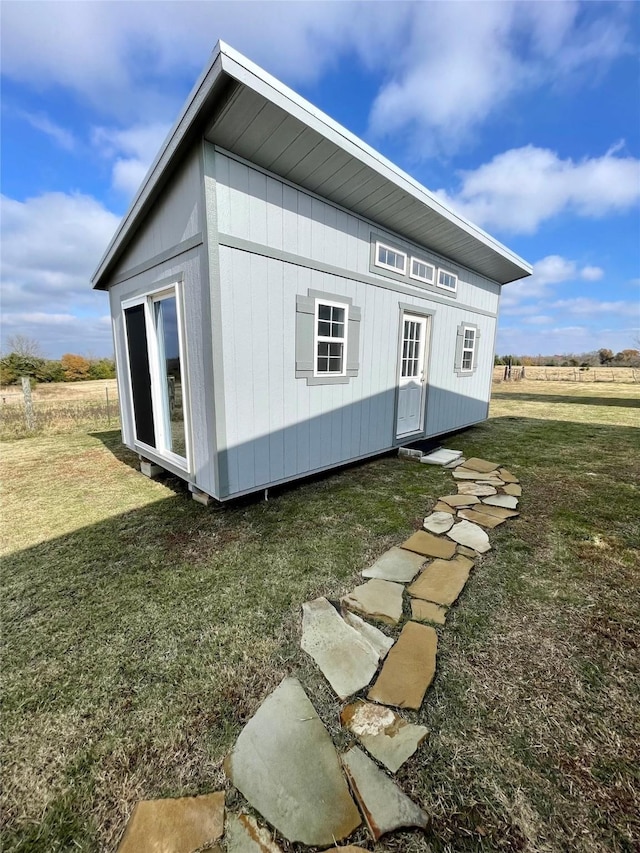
[441, 506]
[384, 806]
[437, 522]
[396, 564]
[429, 545]
[506, 501]
[460, 500]
[481, 518]
[383, 733]
[347, 660]
[408, 669]
[467, 552]
[378, 599]
[471, 535]
[286, 766]
[481, 465]
[427, 611]
[456, 463]
[468, 487]
[463, 473]
[374, 636]
[177, 825]
[243, 834]
[441, 457]
[507, 476]
[496, 482]
[513, 489]
[442, 581]
[499, 511]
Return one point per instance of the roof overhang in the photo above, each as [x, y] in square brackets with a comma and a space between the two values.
[241, 108]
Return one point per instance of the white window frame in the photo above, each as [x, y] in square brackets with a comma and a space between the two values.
[317, 339]
[445, 286]
[470, 350]
[399, 252]
[419, 277]
[148, 300]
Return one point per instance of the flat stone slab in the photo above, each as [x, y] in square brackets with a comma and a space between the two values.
[481, 465]
[384, 806]
[374, 636]
[286, 766]
[505, 501]
[383, 733]
[513, 489]
[466, 552]
[243, 834]
[456, 463]
[378, 599]
[442, 581]
[498, 511]
[438, 522]
[429, 545]
[491, 481]
[427, 611]
[397, 565]
[468, 487]
[441, 457]
[441, 506]
[346, 659]
[471, 535]
[481, 518]
[463, 473]
[179, 826]
[460, 500]
[507, 476]
[408, 669]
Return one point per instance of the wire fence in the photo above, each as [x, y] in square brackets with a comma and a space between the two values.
[624, 375]
[25, 412]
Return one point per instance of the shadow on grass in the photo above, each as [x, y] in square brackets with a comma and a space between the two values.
[136, 648]
[622, 402]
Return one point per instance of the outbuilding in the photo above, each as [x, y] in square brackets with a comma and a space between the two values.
[285, 300]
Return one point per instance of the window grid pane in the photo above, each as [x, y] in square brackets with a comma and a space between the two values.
[331, 327]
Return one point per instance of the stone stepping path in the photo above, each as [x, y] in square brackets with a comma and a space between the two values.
[284, 761]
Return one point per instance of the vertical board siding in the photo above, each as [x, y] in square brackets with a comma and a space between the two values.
[276, 426]
[176, 216]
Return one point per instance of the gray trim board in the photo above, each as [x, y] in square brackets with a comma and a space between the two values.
[160, 258]
[306, 332]
[459, 345]
[289, 258]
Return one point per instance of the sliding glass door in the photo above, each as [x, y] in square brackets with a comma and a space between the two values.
[156, 369]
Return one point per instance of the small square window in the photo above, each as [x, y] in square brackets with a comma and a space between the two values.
[422, 271]
[447, 280]
[390, 258]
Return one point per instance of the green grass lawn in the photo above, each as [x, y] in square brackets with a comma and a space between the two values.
[142, 630]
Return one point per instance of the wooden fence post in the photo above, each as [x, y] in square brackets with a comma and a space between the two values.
[106, 389]
[28, 403]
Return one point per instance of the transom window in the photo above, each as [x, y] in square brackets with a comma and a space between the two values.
[422, 271]
[468, 348]
[391, 259]
[331, 338]
[447, 280]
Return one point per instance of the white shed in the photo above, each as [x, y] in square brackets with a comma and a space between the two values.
[286, 300]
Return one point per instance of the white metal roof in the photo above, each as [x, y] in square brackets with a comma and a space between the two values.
[240, 107]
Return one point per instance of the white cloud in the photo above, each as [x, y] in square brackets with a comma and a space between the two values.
[43, 123]
[583, 305]
[49, 247]
[562, 339]
[521, 188]
[591, 273]
[133, 150]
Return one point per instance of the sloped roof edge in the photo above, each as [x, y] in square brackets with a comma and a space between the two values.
[227, 61]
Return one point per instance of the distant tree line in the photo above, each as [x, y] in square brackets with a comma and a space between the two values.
[597, 358]
[24, 359]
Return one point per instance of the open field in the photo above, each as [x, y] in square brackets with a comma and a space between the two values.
[574, 374]
[60, 407]
[141, 631]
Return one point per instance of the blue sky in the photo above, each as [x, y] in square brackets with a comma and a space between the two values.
[525, 116]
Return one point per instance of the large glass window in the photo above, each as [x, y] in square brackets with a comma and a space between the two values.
[331, 338]
[172, 408]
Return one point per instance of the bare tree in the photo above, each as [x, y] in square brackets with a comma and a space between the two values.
[24, 346]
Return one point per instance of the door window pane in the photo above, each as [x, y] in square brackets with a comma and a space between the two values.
[166, 318]
[140, 377]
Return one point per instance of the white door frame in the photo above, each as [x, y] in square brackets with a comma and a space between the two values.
[424, 320]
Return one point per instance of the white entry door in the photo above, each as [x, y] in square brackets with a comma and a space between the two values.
[411, 375]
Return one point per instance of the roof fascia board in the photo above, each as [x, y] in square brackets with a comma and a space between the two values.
[249, 74]
[164, 156]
